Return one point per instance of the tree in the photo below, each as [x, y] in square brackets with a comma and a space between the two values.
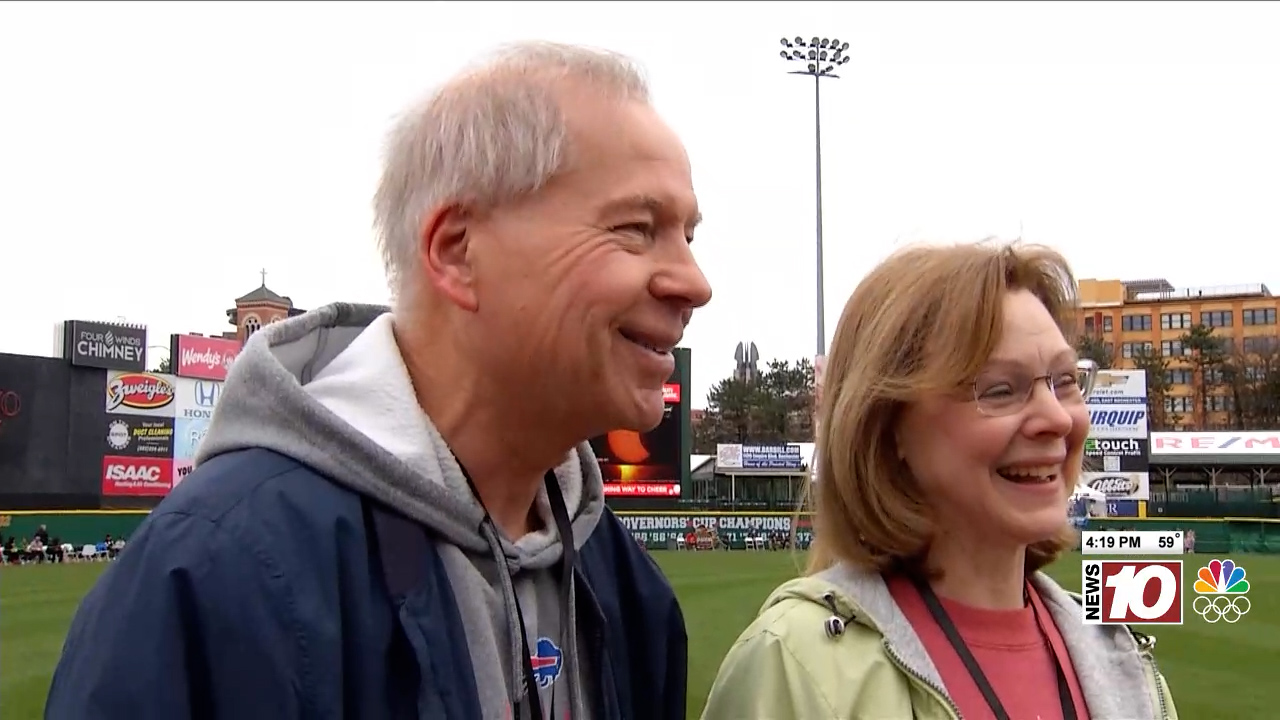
[774, 407]
[1252, 380]
[1091, 347]
[1207, 355]
[1156, 367]
[165, 366]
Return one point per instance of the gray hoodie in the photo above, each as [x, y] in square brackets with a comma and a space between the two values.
[330, 389]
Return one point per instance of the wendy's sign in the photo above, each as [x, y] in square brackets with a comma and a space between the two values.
[203, 358]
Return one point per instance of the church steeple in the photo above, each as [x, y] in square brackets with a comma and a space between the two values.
[258, 308]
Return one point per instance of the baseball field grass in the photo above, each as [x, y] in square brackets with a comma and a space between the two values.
[1217, 672]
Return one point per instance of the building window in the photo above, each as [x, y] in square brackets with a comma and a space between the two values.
[1260, 345]
[1216, 318]
[1173, 348]
[1088, 325]
[1255, 374]
[1178, 404]
[1220, 403]
[1177, 376]
[1107, 325]
[1134, 349]
[1258, 316]
[1226, 345]
[1214, 376]
[1135, 323]
[251, 325]
[1175, 321]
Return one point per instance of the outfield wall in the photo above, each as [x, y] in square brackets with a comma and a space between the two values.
[658, 529]
[78, 527]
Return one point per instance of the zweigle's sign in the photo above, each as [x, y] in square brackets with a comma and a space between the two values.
[657, 530]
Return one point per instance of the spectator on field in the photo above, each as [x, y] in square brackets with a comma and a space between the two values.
[42, 534]
[396, 512]
[1189, 541]
[952, 433]
[35, 551]
[54, 550]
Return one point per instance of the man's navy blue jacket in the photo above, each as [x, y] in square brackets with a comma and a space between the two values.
[253, 592]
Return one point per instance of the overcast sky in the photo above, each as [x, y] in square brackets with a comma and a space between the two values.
[154, 157]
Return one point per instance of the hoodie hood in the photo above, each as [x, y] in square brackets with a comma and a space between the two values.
[330, 389]
[290, 390]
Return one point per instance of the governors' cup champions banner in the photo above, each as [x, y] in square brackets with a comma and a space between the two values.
[1116, 453]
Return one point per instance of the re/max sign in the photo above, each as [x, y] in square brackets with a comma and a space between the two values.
[1215, 443]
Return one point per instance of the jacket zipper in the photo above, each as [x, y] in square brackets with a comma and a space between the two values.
[604, 684]
[920, 678]
[1146, 644]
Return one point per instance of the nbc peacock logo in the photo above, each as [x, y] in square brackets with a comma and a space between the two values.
[1221, 592]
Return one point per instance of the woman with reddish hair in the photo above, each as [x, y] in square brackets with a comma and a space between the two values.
[952, 431]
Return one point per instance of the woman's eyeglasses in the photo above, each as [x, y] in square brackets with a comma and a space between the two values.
[998, 394]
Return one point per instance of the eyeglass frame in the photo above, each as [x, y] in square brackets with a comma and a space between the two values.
[1086, 379]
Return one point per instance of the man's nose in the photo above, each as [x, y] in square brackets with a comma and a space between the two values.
[683, 281]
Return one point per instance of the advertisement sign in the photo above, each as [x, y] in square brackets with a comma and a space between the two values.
[1119, 387]
[659, 530]
[759, 457]
[187, 434]
[205, 358]
[1117, 454]
[10, 407]
[139, 436]
[16, 431]
[1119, 485]
[1118, 421]
[105, 345]
[196, 399]
[1122, 508]
[1215, 443]
[636, 464]
[140, 393]
[136, 476]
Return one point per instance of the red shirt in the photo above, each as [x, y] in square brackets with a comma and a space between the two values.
[1009, 647]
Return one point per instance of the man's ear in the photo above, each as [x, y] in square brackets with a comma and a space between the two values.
[445, 258]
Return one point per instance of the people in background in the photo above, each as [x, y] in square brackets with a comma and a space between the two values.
[396, 512]
[952, 433]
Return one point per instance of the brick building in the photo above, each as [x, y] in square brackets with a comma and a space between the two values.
[256, 309]
[1152, 316]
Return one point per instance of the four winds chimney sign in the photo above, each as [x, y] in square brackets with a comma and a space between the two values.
[105, 345]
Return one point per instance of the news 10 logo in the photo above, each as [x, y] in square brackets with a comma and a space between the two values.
[1126, 592]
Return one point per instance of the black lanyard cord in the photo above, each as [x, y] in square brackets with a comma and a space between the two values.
[948, 627]
[568, 557]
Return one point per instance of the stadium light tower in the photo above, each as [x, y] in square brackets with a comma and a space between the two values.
[819, 57]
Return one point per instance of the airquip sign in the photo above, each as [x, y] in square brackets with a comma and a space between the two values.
[1118, 422]
[1117, 446]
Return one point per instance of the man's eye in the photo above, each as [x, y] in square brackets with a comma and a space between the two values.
[644, 229]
